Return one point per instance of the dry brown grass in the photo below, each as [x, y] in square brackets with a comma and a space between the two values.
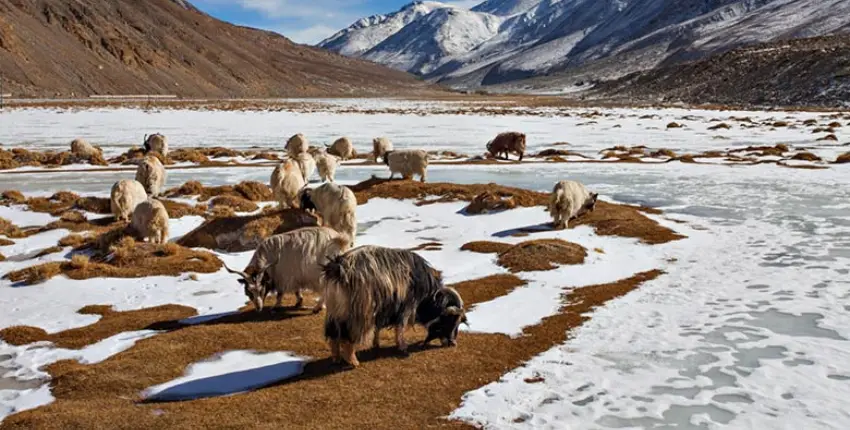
[806, 156]
[627, 221]
[486, 247]
[663, 152]
[19, 157]
[12, 196]
[179, 210]
[48, 251]
[237, 234]
[359, 398]
[110, 324]
[125, 258]
[6, 242]
[239, 204]
[188, 155]
[843, 158]
[720, 126]
[829, 137]
[487, 202]
[674, 125]
[250, 190]
[543, 254]
[98, 205]
[8, 229]
[428, 246]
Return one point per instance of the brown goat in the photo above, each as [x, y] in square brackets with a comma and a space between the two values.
[507, 142]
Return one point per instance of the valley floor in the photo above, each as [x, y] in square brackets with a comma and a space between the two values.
[742, 322]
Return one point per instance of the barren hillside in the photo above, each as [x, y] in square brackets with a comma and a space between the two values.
[83, 47]
[812, 71]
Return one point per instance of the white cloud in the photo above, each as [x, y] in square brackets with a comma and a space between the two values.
[310, 35]
[466, 4]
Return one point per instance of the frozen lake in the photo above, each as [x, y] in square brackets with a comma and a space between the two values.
[749, 329]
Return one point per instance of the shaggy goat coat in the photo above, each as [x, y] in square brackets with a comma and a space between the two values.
[407, 162]
[150, 221]
[296, 145]
[151, 174]
[342, 148]
[569, 199]
[81, 148]
[337, 206]
[380, 146]
[293, 261]
[508, 142]
[157, 143]
[306, 164]
[327, 164]
[286, 181]
[371, 287]
[126, 194]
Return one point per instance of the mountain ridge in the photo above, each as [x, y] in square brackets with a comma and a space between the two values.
[54, 48]
[600, 39]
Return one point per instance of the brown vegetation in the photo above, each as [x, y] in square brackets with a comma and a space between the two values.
[238, 234]
[806, 156]
[719, 126]
[12, 196]
[542, 254]
[829, 137]
[19, 157]
[250, 190]
[843, 158]
[674, 125]
[110, 324]
[239, 204]
[485, 247]
[360, 397]
[129, 259]
[487, 202]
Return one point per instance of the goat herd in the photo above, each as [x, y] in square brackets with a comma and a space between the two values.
[364, 289]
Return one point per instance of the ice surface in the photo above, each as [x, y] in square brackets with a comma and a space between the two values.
[748, 328]
[228, 373]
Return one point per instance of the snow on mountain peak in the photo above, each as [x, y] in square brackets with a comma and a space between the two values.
[503, 40]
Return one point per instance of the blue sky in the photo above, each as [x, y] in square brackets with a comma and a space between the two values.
[304, 21]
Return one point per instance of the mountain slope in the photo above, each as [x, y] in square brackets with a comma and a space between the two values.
[81, 47]
[814, 71]
[595, 39]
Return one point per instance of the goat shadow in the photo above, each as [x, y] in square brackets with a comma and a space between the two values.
[236, 317]
[536, 228]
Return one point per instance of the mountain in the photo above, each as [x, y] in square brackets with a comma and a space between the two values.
[502, 41]
[800, 72]
[82, 47]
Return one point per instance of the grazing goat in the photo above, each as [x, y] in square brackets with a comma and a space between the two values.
[306, 164]
[342, 148]
[157, 143]
[151, 174]
[370, 288]
[126, 194]
[81, 148]
[407, 162]
[569, 199]
[150, 221]
[286, 181]
[327, 164]
[336, 204]
[296, 145]
[380, 146]
[508, 142]
[290, 263]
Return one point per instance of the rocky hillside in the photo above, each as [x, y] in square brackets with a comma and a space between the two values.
[83, 47]
[502, 41]
[805, 72]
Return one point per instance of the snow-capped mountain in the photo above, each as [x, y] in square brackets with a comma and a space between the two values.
[499, 41]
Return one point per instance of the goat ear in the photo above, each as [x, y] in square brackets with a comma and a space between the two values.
[454, 310]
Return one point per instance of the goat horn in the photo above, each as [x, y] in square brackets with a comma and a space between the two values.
[236, 272]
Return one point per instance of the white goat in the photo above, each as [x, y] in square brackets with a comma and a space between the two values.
[342, 148]
[150, 221]
[151, 174]
[296, 145]
[336, 204]
[306, 164]
[286, 181]
[380, 146]
[327, 164]
[126, 194]
[570, 199]
[407, 162]
[290, 263]
[156, 142]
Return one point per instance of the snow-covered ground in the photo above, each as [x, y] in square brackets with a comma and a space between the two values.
[748, 328]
